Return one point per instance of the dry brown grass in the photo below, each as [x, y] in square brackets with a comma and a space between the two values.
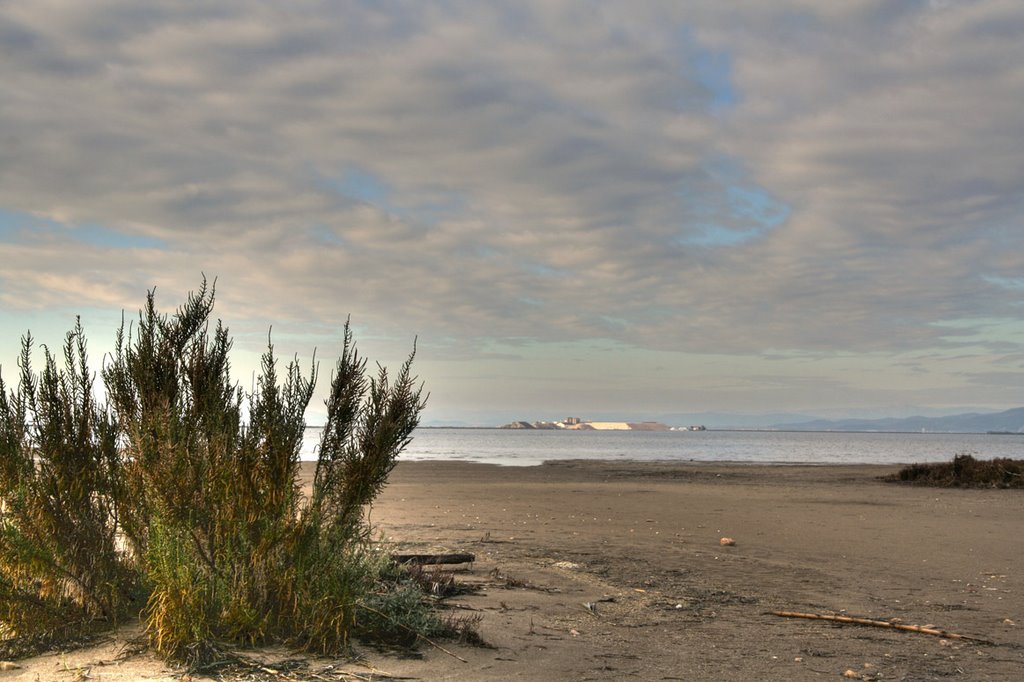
[964, 472]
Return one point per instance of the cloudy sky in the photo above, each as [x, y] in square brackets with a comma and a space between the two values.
[589, 208]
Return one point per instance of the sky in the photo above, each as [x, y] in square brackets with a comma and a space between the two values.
[595, 209]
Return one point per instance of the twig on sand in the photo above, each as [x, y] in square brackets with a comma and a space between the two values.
[879, 624]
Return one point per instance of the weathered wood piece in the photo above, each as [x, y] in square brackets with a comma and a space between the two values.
[434, 559]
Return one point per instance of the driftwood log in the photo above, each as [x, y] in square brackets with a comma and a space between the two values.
[434, 559]
[879, 624]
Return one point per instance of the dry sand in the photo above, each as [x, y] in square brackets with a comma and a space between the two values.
[639, 543]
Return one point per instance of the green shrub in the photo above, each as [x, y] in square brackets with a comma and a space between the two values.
[59, 564]
[397, 614]
[187, 487]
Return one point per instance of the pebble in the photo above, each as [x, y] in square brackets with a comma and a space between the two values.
[727, 542]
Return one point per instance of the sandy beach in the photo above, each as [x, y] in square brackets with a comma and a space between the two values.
[640, 542]
[614, 570]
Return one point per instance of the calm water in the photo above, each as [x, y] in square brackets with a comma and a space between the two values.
[525, 448]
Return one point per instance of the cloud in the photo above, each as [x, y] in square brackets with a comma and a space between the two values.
[790, 176]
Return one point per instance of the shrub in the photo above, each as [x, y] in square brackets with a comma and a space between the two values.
[964, 472]
[59, 564]
[187, 487]
[397, 614]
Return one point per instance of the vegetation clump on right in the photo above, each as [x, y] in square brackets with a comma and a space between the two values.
[964, 472]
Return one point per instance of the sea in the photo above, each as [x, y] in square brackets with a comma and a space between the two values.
[515, 447]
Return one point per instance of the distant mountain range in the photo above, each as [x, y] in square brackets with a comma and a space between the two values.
[1011, 421]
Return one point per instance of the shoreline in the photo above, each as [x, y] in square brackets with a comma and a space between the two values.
[737, 430]
[519, 448]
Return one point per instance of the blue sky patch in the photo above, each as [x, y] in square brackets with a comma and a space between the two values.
[17, 226]
[721, 207]
[756, 205]
[543, 270]
[1015, 283]
[98, 235]
[325, 235]
[713, 70]
[362, 186]
[710, 234]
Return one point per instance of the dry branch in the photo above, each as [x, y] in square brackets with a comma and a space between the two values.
[878, 624]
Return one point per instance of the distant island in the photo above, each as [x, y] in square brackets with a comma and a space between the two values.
[577, 424]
